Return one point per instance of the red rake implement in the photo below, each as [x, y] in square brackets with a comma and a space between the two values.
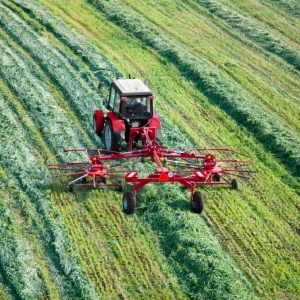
[199, 166]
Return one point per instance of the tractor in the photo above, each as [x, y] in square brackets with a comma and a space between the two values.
[131, 118]
[130, 106]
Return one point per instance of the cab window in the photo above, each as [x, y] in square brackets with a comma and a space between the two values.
[116, 107]
[114, 101]
[112, 96]
[138, 107]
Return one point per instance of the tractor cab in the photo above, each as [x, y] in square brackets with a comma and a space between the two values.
[130, 105]
[130, 99]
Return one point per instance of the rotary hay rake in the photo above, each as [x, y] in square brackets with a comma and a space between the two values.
[190, 168]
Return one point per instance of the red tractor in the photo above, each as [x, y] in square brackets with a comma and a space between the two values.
[130, 105]
[131, 118]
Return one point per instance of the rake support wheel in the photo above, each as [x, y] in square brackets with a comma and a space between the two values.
[234, 184]
[120, 186]
[197, 203]
[129, 203]
[71, 188]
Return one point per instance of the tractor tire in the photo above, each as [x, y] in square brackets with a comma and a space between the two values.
[234, 184]
[99, 133]
[129, 203]
[197, 203]
[110, 142]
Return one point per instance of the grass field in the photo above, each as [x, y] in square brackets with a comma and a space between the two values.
[224, 73]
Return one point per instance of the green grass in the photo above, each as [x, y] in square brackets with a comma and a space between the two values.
[116, 252]
[220, 89]
[254, 32]
[246, 241]
[28, 173]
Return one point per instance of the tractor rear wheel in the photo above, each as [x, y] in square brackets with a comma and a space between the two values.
[110, 142]
[129, 203]
[197, 203]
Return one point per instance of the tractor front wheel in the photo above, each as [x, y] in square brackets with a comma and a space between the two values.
[129, 203]
[110, 142]
[197, 203]
[99, 133]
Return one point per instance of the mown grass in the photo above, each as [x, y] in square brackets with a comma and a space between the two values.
[24, 257]
[271, 14]
[230, 290]
[157, 287]
[256, 224]
[27, 167]
[205, 132]
[220, 89]
[116, 251]
[24, 260]
[4, 290]
[252, 30]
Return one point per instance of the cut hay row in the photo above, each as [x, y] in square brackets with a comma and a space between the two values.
[17, 262]
[28, 222]
[220, 89]
[217, 270]
[291, 6]
[33, 93]
[54, 64]
[275, 87]
[253, 31]
[20, 262]
[269, 16]
[245, 244]
[28, 270]
[248, 245]
[99, 64]
[19, 158]
[190, 246]
[124, 263]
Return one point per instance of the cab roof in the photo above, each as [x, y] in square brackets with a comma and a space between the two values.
[131, 87]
